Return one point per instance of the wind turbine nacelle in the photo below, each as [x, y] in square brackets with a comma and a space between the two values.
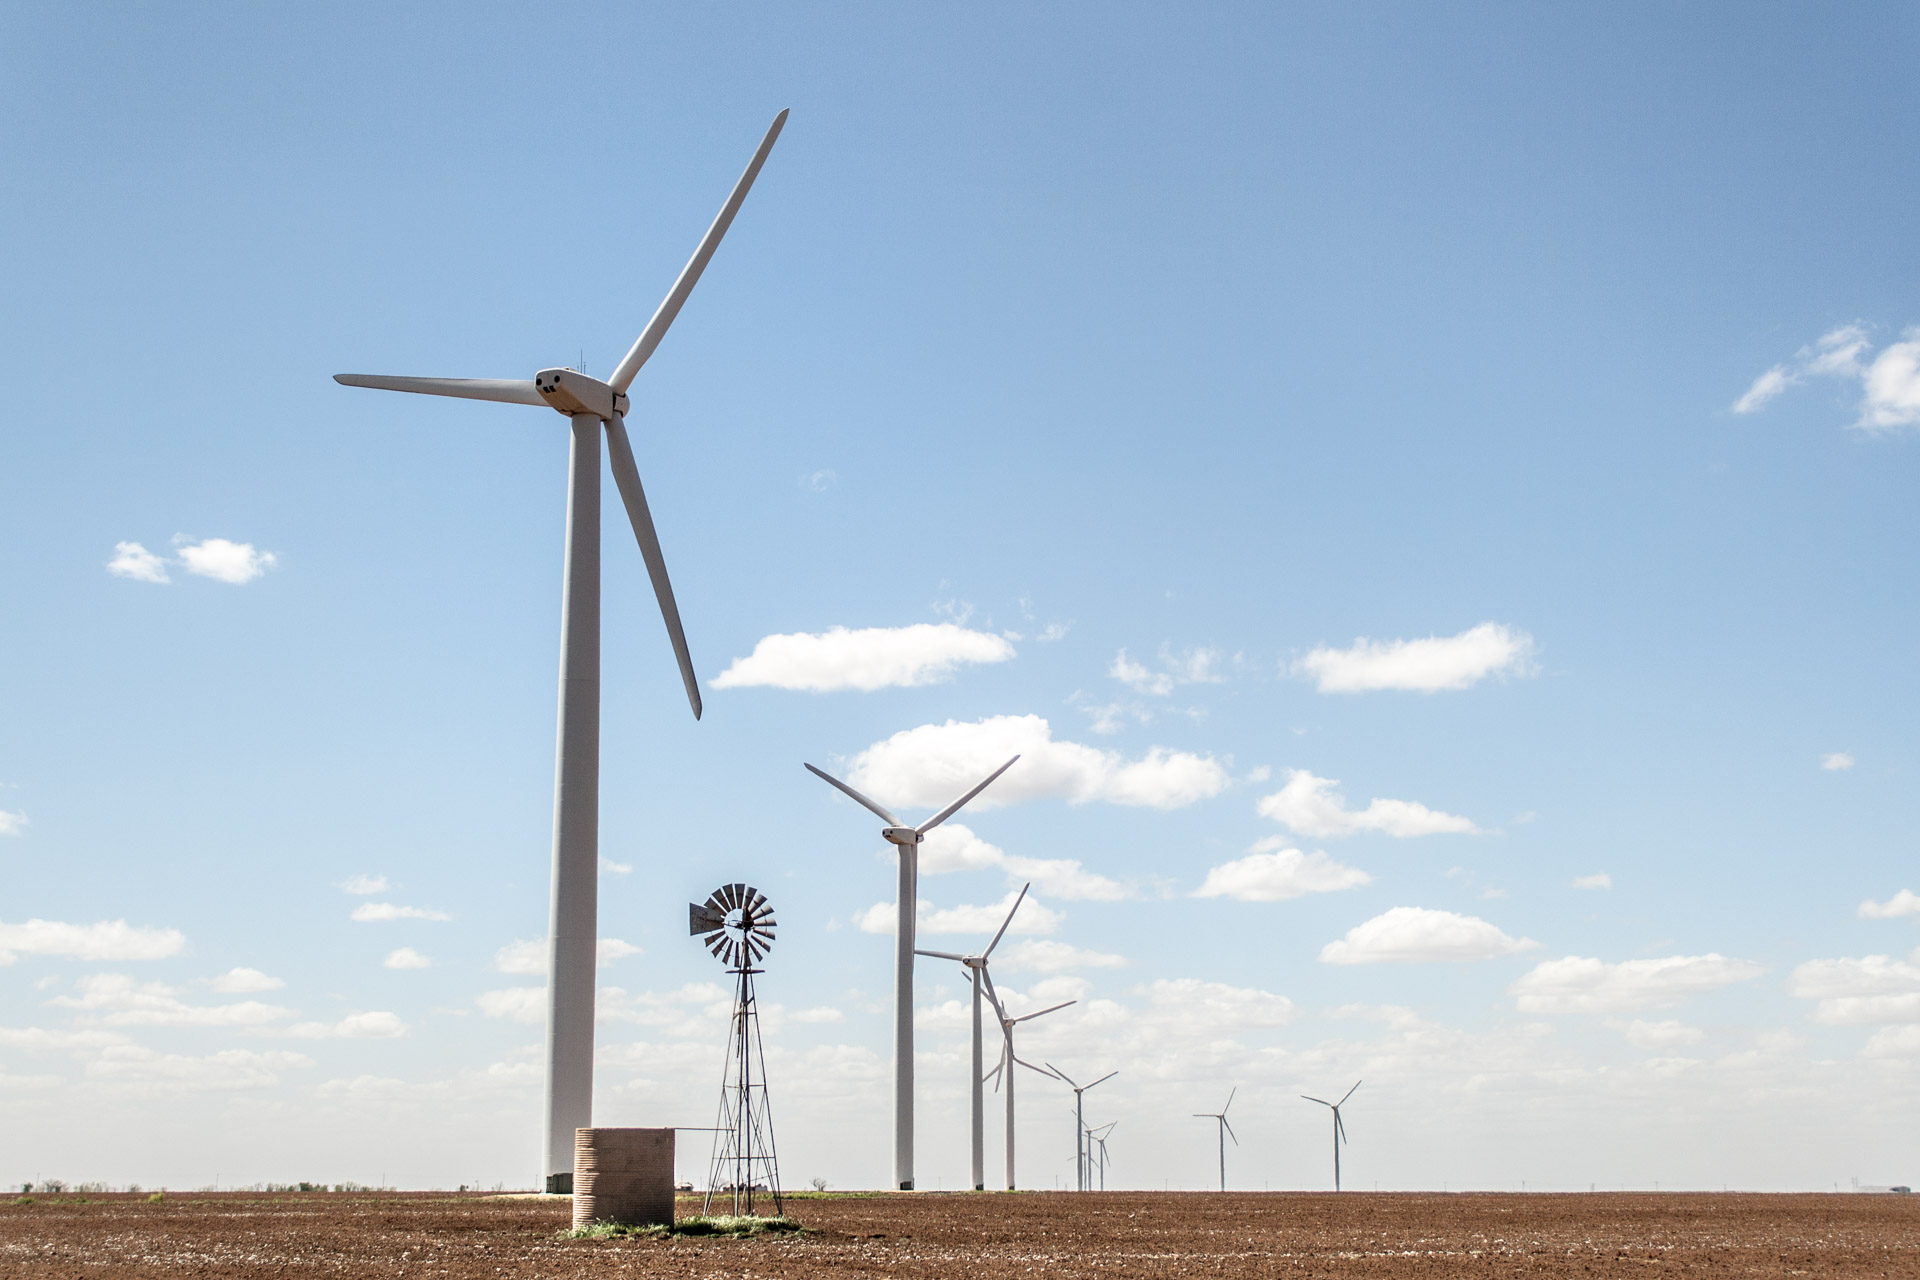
[569, 391]
[901, 835]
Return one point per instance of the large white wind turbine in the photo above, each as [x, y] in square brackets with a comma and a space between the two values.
[1080, 1152]
[591, 406]
[1009, 1059]
[906, 840]
[1339, 1129]
[1225, 1130]
[976, 967]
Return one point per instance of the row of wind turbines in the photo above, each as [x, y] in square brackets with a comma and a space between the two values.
[595, 409]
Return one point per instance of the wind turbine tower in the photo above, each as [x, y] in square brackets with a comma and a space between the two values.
[1009, 1059]
[1339, 1129]
[907, 841]
[1226, 1131]
[591, 406]
[1080, 1121]
[976, 967]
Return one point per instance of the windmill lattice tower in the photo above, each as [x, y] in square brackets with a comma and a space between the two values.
[738, 927]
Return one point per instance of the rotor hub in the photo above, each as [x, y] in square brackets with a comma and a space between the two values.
[569, 391]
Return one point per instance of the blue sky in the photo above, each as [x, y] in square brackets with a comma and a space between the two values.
[1126, 370]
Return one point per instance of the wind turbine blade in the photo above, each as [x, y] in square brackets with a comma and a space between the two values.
[1356, 1085]
[1230, 1132]
[1026, 1017]
[1229, 1105]
[1103, 1079]
[1061, 1074]
[1009, 920]
[993, 998]
[504, 390]
[954, 808]
[1322, 1101]
[627, 476]
[1051, 1075]
[690, 274]
[940, 955]
[828, 778]
[1340, 1126]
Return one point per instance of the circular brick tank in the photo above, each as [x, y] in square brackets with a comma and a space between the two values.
[623, 1176]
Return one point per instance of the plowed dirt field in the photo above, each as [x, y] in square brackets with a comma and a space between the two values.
[1047, 1235]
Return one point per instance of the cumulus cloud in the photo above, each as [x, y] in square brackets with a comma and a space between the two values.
[355, 1026]
[1198, 665]
[151, 1071]
[1835, 761]
[1424, 666]
[1598, 880]
[373, 911]
[932, 764]
[613, 868]
[1312, 806]
[12, 824]
[45, 1040]
[529, 955]
[1421, 935]
[119, 1001]
[131, 560]
[1274, 873]
[1579, 984]
[819, 1015]
[107, 940]
[868, 659]
[245, 981]
[223, 561]
[363, 884]
[1034, 917]
[1863, 991]
[1216, 1004]
[1889, 382]
[953, 846]
[521, 1004]
[1045, 955]
[1904, 903]
[406, 958]
[1667, 1034]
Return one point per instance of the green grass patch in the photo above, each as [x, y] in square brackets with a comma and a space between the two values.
[724, 1226]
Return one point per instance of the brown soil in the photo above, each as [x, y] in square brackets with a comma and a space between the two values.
[1051, 1236]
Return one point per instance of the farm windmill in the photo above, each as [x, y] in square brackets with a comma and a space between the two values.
[737, 925]
[907, 841]
[592, 407]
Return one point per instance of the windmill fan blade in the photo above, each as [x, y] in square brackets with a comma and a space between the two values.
[504, 390]
[1009, 920]
[627, 476]
[954, 808]
[690, 274]
[703, 919]
[829, 779]
[758, 900]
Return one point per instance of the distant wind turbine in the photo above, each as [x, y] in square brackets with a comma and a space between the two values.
[591, 406]
[906, 840]
[976, 966]
[1009, 1059]
[1226, 1131]
[1339, 1129]
[1098, 1137]
[1080, 1119]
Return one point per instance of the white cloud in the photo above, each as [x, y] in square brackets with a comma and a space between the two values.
[406, 958]
[363, 884]
[1578, 984]
[1138, 678]
[44, 1040]
[1274, 873]
[1421, 935]
[1197, 665]
[221, 560]
[1312, 806]
[1217, 1005]
[932, 764]
[1598, 880]
[150, 1070]
[1904, 903]
[370, 911]
[871, 658]
[1835, 761]
[613, 868]
[1890, 382]
[1044, 955]
[953, 846]
[1868, 990]
[1893, 1042]
[820, 481]
[1033, 918]
[522, 1004]
[126, 1003]
[131, 560]
[12, 824]
[1425, 666]
[355, 1026]
[1666, 1034]
[107, 940]
[244, 981]
[529, 955]
[819, 1015]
